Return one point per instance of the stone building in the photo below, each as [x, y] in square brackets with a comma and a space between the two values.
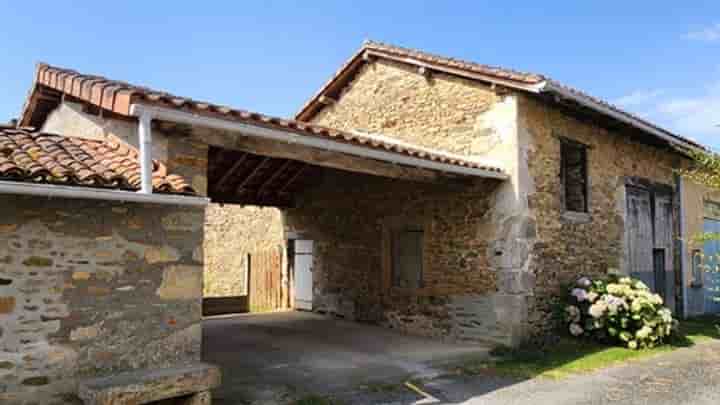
[591, 190]
[104, 239]
[430, 195]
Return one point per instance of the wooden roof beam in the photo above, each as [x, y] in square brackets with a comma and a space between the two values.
[292, 179]
[252, 174]
[273, 177]
[219, 185]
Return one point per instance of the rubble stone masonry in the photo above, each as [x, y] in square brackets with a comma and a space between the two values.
[92, 288]
[568, 246]
[350, 216]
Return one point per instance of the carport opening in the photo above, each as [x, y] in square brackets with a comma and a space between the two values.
[287, 234]
[336, 253]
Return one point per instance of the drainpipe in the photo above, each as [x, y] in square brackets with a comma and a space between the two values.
[145, 141]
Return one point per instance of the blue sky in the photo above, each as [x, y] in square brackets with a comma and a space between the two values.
[660, 59]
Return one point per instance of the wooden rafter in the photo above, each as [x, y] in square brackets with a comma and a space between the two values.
[273, 177]
[252, 174]
[231, 171]
[292, 178]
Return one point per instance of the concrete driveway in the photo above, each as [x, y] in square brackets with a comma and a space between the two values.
[265, 357]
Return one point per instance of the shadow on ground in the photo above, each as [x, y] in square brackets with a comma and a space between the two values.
[293, 358]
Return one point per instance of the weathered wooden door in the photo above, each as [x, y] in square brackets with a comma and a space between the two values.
[303, 262]
[265, 280]
[649, 240]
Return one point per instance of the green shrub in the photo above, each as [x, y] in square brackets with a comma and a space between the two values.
[620, 311]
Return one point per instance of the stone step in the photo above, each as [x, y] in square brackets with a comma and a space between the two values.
[144, 386]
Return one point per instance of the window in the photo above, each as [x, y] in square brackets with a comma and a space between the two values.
[407, 258]
[573, 173]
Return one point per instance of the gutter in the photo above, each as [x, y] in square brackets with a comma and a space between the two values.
[56, 191]
[290, 137]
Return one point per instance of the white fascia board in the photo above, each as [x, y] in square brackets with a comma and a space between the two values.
[291, 137]
[57, 191]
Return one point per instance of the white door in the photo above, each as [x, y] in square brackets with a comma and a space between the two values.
[303, 274]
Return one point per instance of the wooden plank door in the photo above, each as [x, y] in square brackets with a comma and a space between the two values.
[639, 235]
[649, 230]
[265, 278]
[663, 252]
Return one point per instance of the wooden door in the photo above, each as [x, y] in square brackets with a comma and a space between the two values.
[649, 229]
[265, 280]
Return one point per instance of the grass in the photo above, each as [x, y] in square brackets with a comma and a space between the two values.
[574, 356]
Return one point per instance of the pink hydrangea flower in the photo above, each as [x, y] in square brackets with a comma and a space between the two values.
[579, 294]
[584, 282]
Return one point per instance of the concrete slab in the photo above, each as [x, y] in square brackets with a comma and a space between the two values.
[263, 356]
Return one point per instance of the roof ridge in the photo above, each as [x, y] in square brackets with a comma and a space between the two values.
[378, 45]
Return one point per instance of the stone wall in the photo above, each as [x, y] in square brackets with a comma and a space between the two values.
[466, 117]
[569, 246]
[350, 216]
[231, 232]
[439, 111]
[92, 288]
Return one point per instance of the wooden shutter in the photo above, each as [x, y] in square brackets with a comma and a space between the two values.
[573, 173]
[407, 252]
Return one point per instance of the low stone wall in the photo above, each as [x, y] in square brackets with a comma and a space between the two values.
[92, 288]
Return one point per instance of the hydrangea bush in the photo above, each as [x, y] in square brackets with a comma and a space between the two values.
[618, 310]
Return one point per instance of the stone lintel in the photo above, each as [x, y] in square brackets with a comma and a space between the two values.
[144, 386]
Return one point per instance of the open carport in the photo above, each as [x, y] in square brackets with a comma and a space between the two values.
[264, 356]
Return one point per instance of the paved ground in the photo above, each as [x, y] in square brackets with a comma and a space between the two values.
[278, 355]
[271, 358]
[684, 377]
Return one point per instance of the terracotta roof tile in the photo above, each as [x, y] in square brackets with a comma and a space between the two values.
[121, 95]
[36, 157]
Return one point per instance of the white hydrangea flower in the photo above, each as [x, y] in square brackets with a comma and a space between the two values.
[592, 296]
[598, 309]
[576, 329]
[643, 333]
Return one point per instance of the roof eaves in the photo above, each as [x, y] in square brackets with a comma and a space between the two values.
[553, 87]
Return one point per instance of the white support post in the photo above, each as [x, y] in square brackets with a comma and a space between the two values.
[146, 163]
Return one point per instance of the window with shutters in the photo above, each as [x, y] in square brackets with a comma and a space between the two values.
[407, 259]
[573, 173]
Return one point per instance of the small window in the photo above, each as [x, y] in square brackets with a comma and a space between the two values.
[407, 258]
[573, 173]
